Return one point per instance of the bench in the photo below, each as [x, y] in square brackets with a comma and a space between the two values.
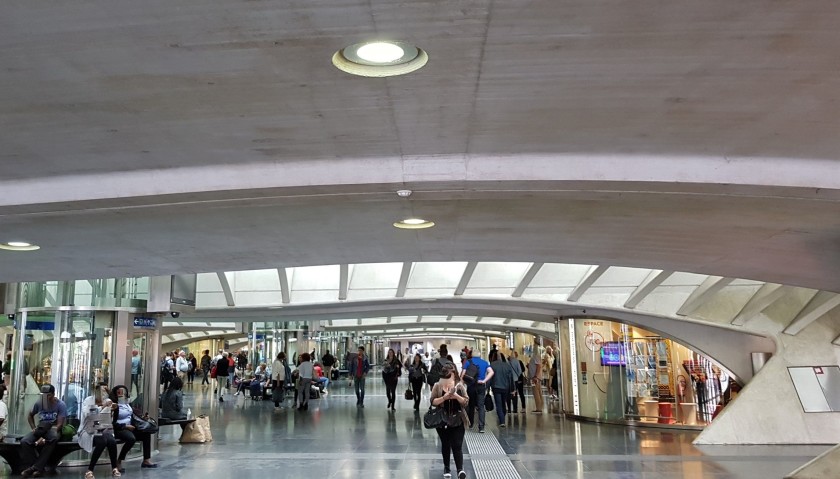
[173, 422]
[10, 452]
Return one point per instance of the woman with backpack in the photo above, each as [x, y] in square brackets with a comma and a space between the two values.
[416, 377]
[391, 372]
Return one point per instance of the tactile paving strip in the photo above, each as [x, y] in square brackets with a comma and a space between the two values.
[488, 458]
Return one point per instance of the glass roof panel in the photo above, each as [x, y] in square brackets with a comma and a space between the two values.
[606, 296]
[321, 296]
[362, 294]
[495, 275]
[246, 299]
[375, 276]
[547, 294]
[207, 282]
[314, 277]
[558, 275]
[256, 280]
[211, 299]
[684, 279]
[621, 276]
[436, 275]
[426, 293]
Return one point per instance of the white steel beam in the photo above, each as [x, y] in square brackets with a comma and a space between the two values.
[285, 292]
[595, 272]
[225, 282]
[343, 281]
[465, 278]
[404, 275]
[526, 280]
[653, 280]
[708, 288]
[820, 304]
[766, 295]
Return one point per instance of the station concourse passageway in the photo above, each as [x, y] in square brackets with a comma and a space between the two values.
[653, 191]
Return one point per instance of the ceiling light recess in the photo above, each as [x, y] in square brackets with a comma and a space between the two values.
[18, 246]
[414, 224]
[379, 59]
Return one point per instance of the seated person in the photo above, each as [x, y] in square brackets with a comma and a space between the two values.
[97, 429]
[320, 379]
[172, 401]
[244, 384]
[52, 414]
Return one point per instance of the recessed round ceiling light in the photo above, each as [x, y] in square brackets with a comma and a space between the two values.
[414, 224]
[19, 246]
[379, 59]
[380, 52]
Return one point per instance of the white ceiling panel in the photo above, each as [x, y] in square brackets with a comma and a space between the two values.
[554, 275]
[436, 275]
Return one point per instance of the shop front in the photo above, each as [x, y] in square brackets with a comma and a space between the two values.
[615, 372]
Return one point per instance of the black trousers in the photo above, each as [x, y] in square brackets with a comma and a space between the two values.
[129, 438]
[34, 456]
[520, 390]
[391, 390]
[100, 443]
[452, 440]
[417, 388]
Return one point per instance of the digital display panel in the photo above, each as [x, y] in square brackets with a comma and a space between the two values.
[612, 354]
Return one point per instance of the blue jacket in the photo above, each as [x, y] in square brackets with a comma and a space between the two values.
[354, 363]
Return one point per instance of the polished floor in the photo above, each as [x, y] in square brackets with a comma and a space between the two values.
[334, 439]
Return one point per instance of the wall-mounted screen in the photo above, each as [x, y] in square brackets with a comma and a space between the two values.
[612, 354]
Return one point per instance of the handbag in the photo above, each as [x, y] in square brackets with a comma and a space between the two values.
[409, 394]
[192, 434]
[434, 418]
[213, 372]
[148, 425]
[488, 402]
[203, 422]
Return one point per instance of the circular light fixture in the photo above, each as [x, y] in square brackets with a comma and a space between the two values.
[379, 59]
[19, 246]
[414, 224]
[380, 52]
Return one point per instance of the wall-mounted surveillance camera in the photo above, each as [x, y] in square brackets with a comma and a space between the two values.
[12, 317]
[175, 314]
[584, 311]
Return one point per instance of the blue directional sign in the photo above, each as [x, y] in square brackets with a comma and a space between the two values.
[145, 323]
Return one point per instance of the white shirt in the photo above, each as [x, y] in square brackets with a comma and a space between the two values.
[306, 369]
[278, 371]
[182, 364]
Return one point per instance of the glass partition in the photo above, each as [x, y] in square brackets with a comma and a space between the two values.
[627, 373]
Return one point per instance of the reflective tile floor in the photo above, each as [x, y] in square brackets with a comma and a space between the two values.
[334, 439]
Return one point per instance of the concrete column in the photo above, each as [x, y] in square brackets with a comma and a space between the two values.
[768, 409]
[121, 362]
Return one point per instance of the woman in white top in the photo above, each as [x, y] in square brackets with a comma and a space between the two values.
[125, 431]
[4, 413]
[305, 370]
[97, 429]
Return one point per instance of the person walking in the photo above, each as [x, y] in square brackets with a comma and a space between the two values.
[535, 375]
[391, 372]
[305, 375]
[503, 383]
[328, 361]
[451, 395]
[135, 370]
[182, 366]
[280, 371]
[205, 367]
[416, 377]
[193, 366]
[516, 367]
[479, 374]
[520, 381]
[359, 367]
[222, 369]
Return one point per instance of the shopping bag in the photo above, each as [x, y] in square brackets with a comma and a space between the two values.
[203, 422]
[192, 433]
[409, 394]
[488, 403]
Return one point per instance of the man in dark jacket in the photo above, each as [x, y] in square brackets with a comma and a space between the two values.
[222, 370]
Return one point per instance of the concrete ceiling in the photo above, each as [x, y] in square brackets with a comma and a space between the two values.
[154, 138]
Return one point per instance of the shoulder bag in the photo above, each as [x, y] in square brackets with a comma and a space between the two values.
[146, 425]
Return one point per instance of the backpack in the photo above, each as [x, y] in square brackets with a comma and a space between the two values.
[434, 374]
[471, 373]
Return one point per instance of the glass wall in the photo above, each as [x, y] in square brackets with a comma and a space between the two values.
[71, 350]
[623, 372]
